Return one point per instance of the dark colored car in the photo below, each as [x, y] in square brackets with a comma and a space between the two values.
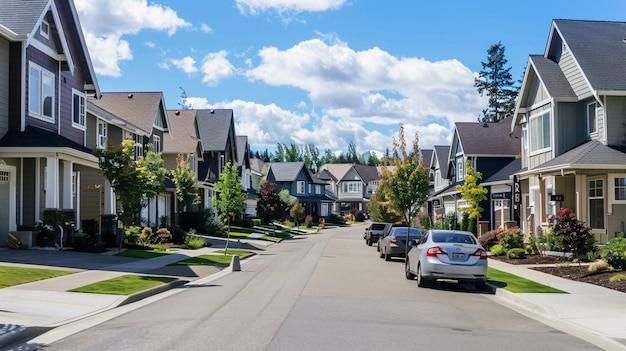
[373, 232]
[386, 231]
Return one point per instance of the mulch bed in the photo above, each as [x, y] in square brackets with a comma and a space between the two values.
[565, 269]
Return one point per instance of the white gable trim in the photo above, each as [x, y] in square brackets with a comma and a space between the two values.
[66, 55]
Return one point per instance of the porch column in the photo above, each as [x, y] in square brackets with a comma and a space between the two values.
[109, 199]
[68, 190]
[52, 182]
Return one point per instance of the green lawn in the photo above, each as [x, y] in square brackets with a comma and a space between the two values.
[10, 276]
[124, 285]
[234, 252]
[141, 253]
[517, 284]
[204, 260]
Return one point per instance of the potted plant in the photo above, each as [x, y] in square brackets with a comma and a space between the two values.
[45, 234]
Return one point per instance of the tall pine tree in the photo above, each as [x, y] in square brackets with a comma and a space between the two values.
[496, 82]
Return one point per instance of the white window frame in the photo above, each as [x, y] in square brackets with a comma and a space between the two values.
[300, 187]
[601, 197]
[82, 108]
[533, 133]
[310, 188]
[156, 143]
[44, 29]
[138, 146]
[592, 126]
[351, 187]
[101, 135]
[42, 75]
[611, 190]
[460, 169]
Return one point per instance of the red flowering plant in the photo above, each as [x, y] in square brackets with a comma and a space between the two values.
[576, 237]
[511, 238]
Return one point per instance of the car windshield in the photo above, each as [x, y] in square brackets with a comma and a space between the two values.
[378, 226]
[456, 238]
[414, 232]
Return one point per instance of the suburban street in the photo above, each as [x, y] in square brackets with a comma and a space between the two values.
[326, 291]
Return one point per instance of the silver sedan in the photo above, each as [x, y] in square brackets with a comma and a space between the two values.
[394, 244]
[447, 254]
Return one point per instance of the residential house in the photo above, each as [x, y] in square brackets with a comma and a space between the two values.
[219, 147]
[182, 140]
[350, 185]
[243, 164]
[489, 147]
[146, 111]
[302, 185]
[45, 76]
[572, 110]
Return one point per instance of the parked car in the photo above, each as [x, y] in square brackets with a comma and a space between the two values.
[386, 231]
[373, 232]
[447, 254]
[395, 243]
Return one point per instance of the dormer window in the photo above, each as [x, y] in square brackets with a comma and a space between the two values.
[44, 29]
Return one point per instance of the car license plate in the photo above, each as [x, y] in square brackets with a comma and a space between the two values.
[458, 256]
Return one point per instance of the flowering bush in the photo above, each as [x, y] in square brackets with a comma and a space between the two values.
[46, 231]
[511, 238]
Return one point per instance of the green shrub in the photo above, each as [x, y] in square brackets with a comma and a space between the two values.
[178, 234]
[472, 226]
[131, 234]
[533, 245]
[289, 223]
[550, 241]
[335, 218]
[425, 222]
[450, 221]
[576, 238]
[464, 222]
[614, 252]
[619, 277]
[498, 250]
[194, 242]
[359, 216]
[256, 221]
[516, 253]
[512, 238]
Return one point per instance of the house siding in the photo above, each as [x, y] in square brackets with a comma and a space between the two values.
[616, 125]
[537, 93]
[90, 200]
[570, 125]
[574, 75]
[15, 84]
[4, 86]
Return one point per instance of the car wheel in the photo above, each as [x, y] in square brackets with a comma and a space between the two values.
[480, 286]
[381, 254]
[387, 256]
[421, 281]
[369, 242]
[407, 271]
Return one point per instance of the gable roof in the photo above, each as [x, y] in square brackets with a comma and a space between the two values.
[256, 164]
[552, 77]
[367, 173]
[216, 127]
[336, 170]
[19, 22]
[487, 139]
[504, 174]
[440, 154]
[242, 151]
[138, 108]
[427, 156]
[598, 48]
[287, 171]
[182, 125]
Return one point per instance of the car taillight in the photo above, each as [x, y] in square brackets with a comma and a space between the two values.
[434, 251]
[393, 241]
[481, 253]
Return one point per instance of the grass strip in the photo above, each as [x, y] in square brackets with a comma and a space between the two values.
[516, 284]
[124, 285]
[204, 260]
[234, 252]
[134, 253]
[11, 276]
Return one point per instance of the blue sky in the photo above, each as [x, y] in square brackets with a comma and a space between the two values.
[323, 72]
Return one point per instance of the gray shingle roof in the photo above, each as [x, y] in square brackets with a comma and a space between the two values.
[21, 16]
[182, 125]
[599, 49]
[427, 156]
[367, 173]
[138, 108]
[215, 128]
[441, 153]
[590, 155]
[487, 138]
[552, 77]
[286, 171]
[242, 148]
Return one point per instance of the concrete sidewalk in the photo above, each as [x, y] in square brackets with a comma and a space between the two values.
[593, 313]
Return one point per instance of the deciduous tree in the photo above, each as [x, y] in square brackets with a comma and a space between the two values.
[230, 199]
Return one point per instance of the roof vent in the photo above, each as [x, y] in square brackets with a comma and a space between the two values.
[485, 125]
[177, 113]
[130, 96]
[211, 111]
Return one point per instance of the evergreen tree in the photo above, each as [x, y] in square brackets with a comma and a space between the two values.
[496, 82]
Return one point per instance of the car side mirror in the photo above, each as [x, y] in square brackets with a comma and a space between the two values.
[413, 242]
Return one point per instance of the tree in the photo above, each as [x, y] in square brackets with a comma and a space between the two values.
[473, 192]
[298, 213]
[230, 199]
[133, 181]
[407, 184]
[576, 237]
[380, 209]
[185, 180]
[270, 206]
[496, 82]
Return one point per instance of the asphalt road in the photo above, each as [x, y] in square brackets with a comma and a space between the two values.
[326, 291]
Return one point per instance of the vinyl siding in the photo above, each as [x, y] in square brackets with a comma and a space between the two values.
[571, 126]
[615, 121]
[574, 75]
[537, 93]
[4, 87]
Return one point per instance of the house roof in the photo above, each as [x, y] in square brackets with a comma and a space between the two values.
[598, 48]
[441, 153]
[286, 171]
[256, 164]
[505, 173]
[337, 170]
[552, 77]
[242, 150]
[33, 137]
[182, 125]
[22, 16]
[367, 173]
[590, 155]
[427, 156]
[138, 108]
[487, 139]
[215, 128]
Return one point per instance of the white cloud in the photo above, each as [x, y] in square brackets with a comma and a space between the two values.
[206, 29]
[281, 6]
[186, 64]
[104, 22]
[216, 67]
[373, 86]
[150, 44]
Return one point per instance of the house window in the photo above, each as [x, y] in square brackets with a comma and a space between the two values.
[300, 187]
[44, 29]
[596, 203]
[101, 138]
[310, 188]
[40, 92]
[460, 174]
[192, 162]
[318, 189]
[156, 141]
[351, 187]
[138, 146]
[78, 109]
[324, 210]
[591, 118]
[620, 189]
[4, 177]
[540, 132]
